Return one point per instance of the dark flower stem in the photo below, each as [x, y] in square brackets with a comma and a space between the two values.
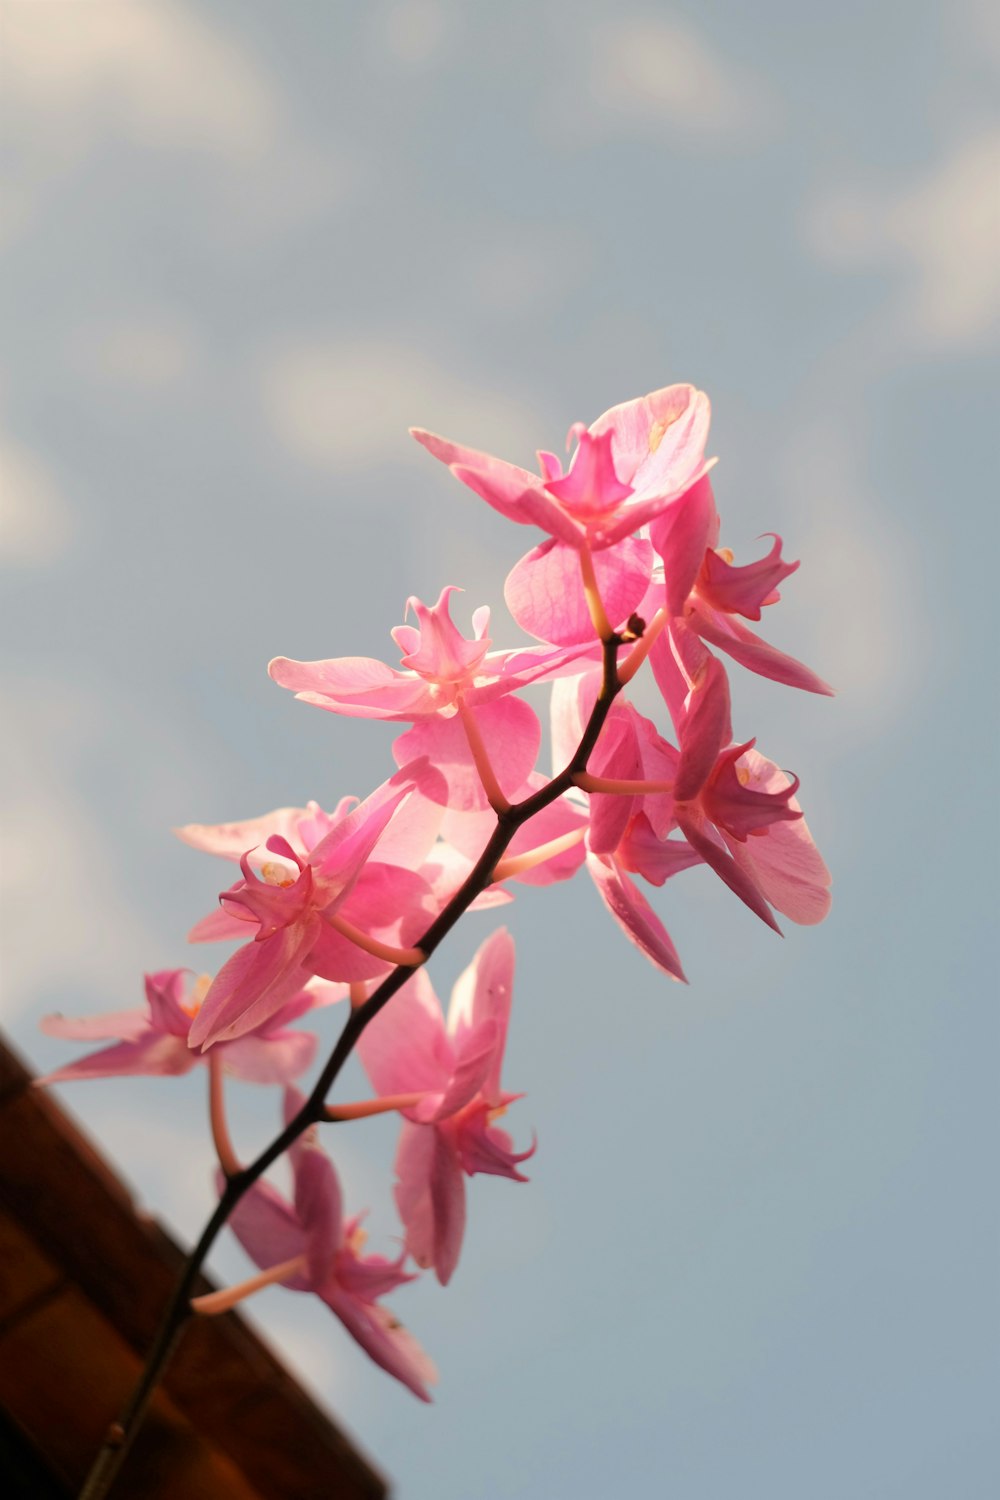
[178, 1311]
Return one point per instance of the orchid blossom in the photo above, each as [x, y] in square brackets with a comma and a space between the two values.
[451, 1133]
[308, 1246]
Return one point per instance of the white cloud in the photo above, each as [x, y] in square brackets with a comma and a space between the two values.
[344, 406]
[943, 232]
[864, 629]
[656, 72]
[61, 897]
[36, 526]
[153, 68]
[414, 34]
[155, 351]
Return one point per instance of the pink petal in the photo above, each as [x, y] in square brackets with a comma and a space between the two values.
[591, 487]
[124, 1025]
[681, 535]
[740, 880]
[784, 863]
[166, 992]
[442, 654]
[447, 1191]
[511, 733]
[483, 993]
[151, 1055]
[476, 1060]
[706, 729]
[358, 686]
[277, 1058]
[405, 1048]
[384, 1340]
[743, 590]
[658, 439]
[730, 635]
[654, 858]
[221, 926]
[514, 492]
[617, 757]
[414, 1164]
[254, 983]
[318, 1205]
[563, 816]
[232, 840]
[269, 1232]
[544, 591]
[635, 916]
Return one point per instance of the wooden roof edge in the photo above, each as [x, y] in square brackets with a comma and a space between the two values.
[60, 1188]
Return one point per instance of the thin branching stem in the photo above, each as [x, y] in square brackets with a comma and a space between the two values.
[178, 1311]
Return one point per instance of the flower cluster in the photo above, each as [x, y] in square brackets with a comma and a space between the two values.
[347, 905]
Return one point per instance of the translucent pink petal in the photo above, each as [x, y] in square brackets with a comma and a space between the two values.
[269, 1232]
[124, 1025]
[232, 840]
[318, 1205]
[561, 817]
[358, 686]
[369, 1276]
[740, 881]
[739, 809]
[221, 926]
[415, 1154]
[514, 492]
[476, 1059]
[655, 859]
[658, 438]
[616, 756]
[730, 635]
[154, 1054]
[681, 535]
[785, 862]
[166, 992]
[591, 487]
[483, 993]
[254, 983]
[544, 591]
[447, 1192]
[388, 903]
[511, 733]
[482, 1148]
[276, 1058]
[443, 653]
[384, 1340]
[706, 729]
[405, 1048]
[743, 590]
[635, 916]
[572, 698]
[678, 659]
[339, 857]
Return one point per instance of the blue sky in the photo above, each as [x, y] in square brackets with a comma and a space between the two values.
[245, 246]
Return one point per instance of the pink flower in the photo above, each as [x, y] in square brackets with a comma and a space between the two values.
[631, 465]
[628, 467]
[299, 903]
[627, 834]
[725, 795]
[408, 1047]
[454, 690]
[319, 1251]
[705, 589]
[154, 1041]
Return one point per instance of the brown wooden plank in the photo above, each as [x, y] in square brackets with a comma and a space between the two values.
[83, 1224]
